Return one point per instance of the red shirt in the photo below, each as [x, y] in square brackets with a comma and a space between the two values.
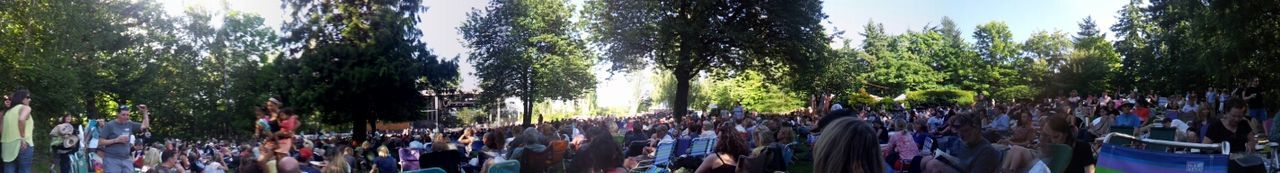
[304, 153]
[1143, 113]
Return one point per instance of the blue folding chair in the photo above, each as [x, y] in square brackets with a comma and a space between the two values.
[661, 158]
[507, 166]
[1123, 130]
[699, 147]
[428, 170]
[663, 155]
[711, 148]
[1165, 133]
[682, 146]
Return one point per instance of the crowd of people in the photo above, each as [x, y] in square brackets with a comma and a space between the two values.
[1060, 134]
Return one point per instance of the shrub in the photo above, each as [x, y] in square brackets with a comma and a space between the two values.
[1019, 93]
[940, 97]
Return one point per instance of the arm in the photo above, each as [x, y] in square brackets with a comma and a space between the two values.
[146, 120]
[1251, 146]
[22, 122]
[708, 163]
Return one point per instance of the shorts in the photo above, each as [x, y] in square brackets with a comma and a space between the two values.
[114, 165]
[1259, 114]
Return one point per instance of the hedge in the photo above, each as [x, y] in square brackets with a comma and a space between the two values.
[940, 97]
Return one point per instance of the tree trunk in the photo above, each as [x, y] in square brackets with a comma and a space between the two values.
[527, 101]
[91, 106]
[358, 131]
[681, 105]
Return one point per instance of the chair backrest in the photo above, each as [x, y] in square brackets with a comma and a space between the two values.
[682, 146]
[1061, 157]
[428, 170]
[507, 166]
[558, 148]
[1165, 133]
[477, 146]
[534, 161]
[1121, 129]
[663, 155]
[711, 146]
[1122, 159]
[406, 154]
[699, 146]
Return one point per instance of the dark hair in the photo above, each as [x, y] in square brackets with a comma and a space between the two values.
[493, 139]
[604, 153]
[1236, 103]
[166, 156]
[288, 111]
[1060, 124]
[19, 96]
[730, 141]
[837, 114]
[968, 119]
[847, 144]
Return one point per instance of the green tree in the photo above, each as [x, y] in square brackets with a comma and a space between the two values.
[958, 59]
[359, 62]
[719, 37]
[1133, 30]
[995, 46]
[528, 48]
[1052, 48]
[1093, 64]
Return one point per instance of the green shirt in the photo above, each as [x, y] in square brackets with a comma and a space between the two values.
[10, 141]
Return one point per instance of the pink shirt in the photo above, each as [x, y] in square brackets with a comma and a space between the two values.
[904, 145]
[289, 124]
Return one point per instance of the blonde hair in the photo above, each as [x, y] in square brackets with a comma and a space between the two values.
[383, 151]
[439, 143]
[786, 135]
[846, 145]
[763, 136]
[337, 164]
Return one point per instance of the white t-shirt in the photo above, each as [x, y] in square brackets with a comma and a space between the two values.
[1180, 125]
[707, 134]
[1190, 107]
[214, 167]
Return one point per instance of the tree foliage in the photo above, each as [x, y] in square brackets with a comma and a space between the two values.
[87, 57]
[357, 62]
[529, 49]
[720, 37]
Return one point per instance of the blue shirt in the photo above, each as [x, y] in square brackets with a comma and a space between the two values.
[386, 164]
[1128, 120]
[1001, 123]
[935, 123]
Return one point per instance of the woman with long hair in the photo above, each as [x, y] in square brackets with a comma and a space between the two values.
[1058, 130]
[847, 145]
[16, 137]
[605, 154]
[729, 146]
[338, 162]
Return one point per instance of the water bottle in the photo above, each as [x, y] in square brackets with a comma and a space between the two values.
[130, 133]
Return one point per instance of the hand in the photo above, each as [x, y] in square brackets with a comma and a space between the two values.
[121, 139]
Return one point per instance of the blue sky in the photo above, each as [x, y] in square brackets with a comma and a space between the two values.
[1024, 17]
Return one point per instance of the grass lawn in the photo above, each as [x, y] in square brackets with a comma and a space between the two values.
[801, 167]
